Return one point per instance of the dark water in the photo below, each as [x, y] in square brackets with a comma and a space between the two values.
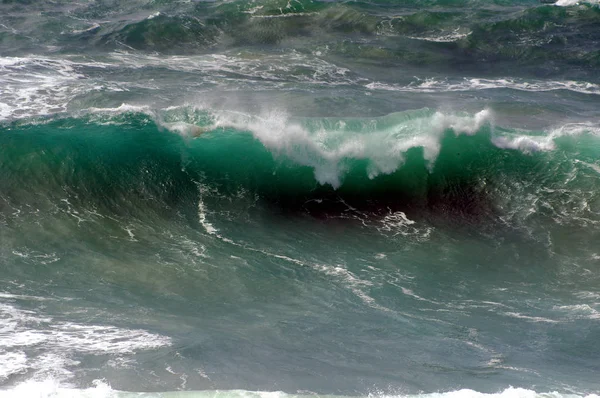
[377, 198]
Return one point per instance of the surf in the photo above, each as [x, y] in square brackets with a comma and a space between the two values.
[416, 159]
[102, 390]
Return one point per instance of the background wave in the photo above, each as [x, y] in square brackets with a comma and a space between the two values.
[540, 38]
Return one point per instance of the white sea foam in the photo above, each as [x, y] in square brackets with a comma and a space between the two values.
[41, 86]
[525, 144]
[433, 85]
[292, 67]
[397, 223]
[327, 149]
[4, 295]
[123, 108]
[579, 311]
[35, 86]
[528, 144]
[12, 363]
[566, 3]
[38, 86]
[208, 227]
[89, 29]
[287, 15]
[447, 37]
[410, 293]
[529, 317]
[587, 294]
[592, 166]
[101, 389]
[575, 129]
[24, 332]
[350, 281]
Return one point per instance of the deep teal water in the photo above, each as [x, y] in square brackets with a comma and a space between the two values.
[337, 198]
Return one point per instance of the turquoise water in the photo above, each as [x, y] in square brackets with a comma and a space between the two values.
[270, 199]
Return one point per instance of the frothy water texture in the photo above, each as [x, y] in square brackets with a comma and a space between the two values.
[294, 199]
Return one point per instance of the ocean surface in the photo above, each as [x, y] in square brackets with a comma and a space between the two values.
[299, 199]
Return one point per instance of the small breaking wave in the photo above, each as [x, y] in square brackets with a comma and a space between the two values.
[568, 3]
[101, 389]
[432, 85]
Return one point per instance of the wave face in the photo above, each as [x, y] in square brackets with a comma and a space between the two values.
[418, 158]
[166, 206]
[285, 199]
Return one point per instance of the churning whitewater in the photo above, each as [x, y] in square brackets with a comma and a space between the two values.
[288, 199]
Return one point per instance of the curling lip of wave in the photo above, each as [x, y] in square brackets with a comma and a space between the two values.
[326, 150]
[383, 143]
[328, 145]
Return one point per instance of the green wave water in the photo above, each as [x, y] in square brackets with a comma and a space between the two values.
[299, 198]
[205, 188]
[418, 157]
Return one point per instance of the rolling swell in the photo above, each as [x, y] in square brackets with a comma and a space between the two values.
[540, 34]
[132, 164]
[544, 39]
[464, 38]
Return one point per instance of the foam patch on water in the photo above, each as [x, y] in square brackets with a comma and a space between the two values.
[12, 363]
[42, 86]
[33, 343]
[433, 85]
[567, 3]
[101, 389]
[276, 69]
[447, 37]
[579, 311]
[123, 108]
[37, 86]
[398, 224]
[529, 318]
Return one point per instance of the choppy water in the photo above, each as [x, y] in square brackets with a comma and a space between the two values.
[383, 199]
